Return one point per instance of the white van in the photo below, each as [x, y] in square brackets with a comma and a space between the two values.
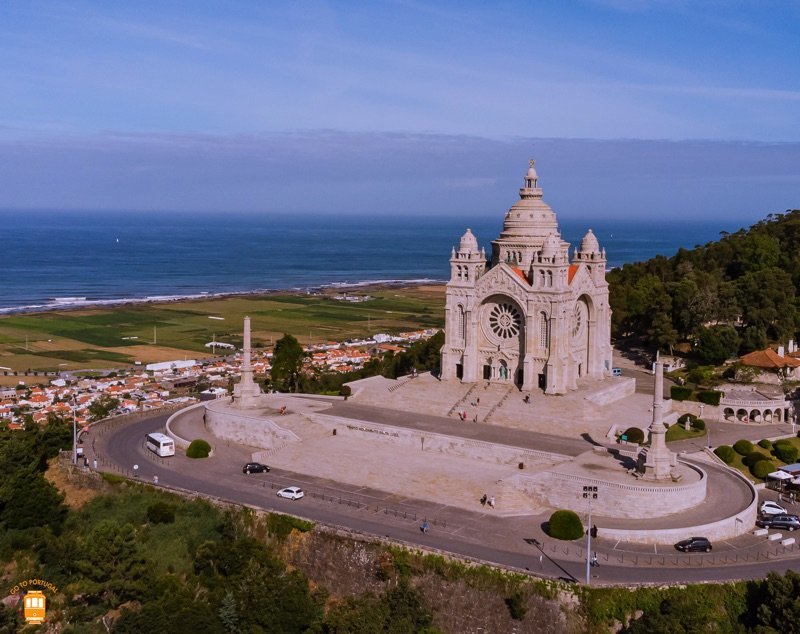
[161, 444]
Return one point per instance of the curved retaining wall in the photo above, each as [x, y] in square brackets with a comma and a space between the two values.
[223, 421]
[182, 443]
[614, 499]
[725, 528]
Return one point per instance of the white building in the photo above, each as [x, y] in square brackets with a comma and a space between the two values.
[528, 316]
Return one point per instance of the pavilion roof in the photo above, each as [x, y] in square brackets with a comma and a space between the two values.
[769, 359]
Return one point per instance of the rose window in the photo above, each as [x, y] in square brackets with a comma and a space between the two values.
[505, 321]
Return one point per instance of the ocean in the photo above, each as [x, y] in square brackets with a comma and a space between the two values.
[59, 259]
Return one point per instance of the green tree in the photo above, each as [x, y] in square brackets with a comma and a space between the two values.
[716, 344]
[102, 407]
[287, 363]
[28, 500]
[112, 568]
[779, 607]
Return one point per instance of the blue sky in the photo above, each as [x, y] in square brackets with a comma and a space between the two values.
[630, 106]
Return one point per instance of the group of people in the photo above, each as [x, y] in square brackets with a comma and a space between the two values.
[487, 500]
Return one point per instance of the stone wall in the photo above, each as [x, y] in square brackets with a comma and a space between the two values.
[245, 428]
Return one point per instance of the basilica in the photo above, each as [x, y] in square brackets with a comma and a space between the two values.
[528, 315]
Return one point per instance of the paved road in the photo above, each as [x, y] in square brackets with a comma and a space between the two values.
[517, 542]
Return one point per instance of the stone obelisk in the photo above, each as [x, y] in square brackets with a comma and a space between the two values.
[247, 391]
[657, 462]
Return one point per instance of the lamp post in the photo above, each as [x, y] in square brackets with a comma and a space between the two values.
[74, 431]
[589, 493]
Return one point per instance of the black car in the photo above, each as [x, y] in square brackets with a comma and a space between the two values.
[255, 467]
[785, 522]
[694, 544]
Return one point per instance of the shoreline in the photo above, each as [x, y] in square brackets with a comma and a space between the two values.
[64, 304]
[60, 305]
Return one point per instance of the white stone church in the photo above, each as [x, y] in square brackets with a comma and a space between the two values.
[529, 316]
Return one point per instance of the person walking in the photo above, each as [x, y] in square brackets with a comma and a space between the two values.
[491, 501]
[593, 561]
[424, 527]
[483, 499]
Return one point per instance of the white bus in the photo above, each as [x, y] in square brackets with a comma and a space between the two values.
[161, 444]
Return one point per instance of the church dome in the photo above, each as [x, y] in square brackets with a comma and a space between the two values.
[468, 242]
[530, 219]
[550, 246]
[589, 243]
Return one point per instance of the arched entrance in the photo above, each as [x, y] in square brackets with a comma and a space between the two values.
[502, 341]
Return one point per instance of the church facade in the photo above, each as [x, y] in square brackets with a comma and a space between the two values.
[527, 316]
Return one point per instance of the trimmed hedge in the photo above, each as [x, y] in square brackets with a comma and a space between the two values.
[765, 444]
[690, 417]
[743, 447]
[709, 397]
[680, 392]
[634, 434]
[753, 457]
[565, 525]
[725, 453]
[786, 453]
[761, 468]
[784, 442]
[699, 424]
[198, 449]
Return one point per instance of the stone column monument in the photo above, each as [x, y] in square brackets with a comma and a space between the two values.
[246, 393]
[657, 462]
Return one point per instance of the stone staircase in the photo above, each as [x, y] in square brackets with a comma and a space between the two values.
[299, 424]
[482, 401]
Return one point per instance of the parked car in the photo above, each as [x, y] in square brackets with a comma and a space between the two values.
[616, 371]
[291, 493]
[694, 544]
[255, 467]
[772, 508]
[783, 522]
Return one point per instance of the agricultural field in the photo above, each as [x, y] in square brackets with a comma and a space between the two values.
[120, 336]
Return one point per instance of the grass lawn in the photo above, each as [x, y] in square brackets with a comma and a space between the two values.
[677, 432]
[115, 337]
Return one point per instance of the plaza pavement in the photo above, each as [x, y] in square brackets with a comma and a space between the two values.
[556, 424]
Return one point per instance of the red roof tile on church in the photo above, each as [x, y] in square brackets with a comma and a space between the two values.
[769, 359]
[573, 268]
[520, 273]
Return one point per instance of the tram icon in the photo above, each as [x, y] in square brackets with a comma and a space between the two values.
[35, 603]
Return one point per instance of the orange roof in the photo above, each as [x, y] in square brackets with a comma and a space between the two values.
[573, 268]
[769, 359]
[520, 273]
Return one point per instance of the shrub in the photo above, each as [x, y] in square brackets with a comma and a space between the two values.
[743, 447]
[690, 417]
[785, 453]
[516, 606]
[753, 457]
[161, 513]
[765, 444]
[783, 442]
[281, 526]
[680, 392]
[725, 453]
[198, 449]
[699, 424]
[634, 434]
[565, 525]
[709, 397]
[761, 468]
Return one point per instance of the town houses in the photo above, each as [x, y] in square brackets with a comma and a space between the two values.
[170, 383]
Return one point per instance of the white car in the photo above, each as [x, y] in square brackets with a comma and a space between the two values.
[291, 493]
[772, 508]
